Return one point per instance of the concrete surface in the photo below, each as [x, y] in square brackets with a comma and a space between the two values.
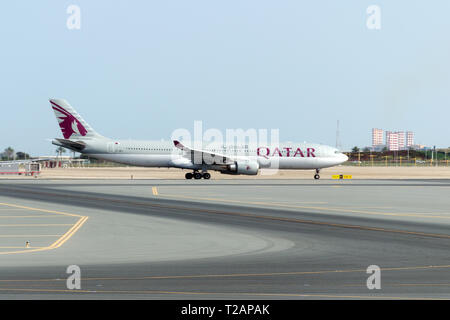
[419, 172]
[264, 239]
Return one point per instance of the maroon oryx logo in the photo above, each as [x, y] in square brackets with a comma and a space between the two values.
[68, 123]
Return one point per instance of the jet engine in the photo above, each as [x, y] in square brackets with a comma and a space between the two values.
[242, 167]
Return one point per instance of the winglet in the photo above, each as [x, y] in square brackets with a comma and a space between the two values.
[178, 144]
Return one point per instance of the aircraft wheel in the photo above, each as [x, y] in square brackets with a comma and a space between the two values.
[197, 175]
[316, 176]
[188, 175]
[206, 176]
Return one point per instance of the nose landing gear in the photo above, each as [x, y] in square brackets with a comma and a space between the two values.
[316, 176]
[197, 175]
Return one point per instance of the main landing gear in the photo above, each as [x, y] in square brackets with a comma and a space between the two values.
[197, 175]
[316, 176]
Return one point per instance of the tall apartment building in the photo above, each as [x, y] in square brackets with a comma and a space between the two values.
[401, 140]
[377, 138]
[409, 139]
[392, 141]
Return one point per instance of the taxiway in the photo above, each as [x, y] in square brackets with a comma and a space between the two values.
[222, 239]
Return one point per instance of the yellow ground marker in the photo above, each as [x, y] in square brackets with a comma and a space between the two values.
[341, 176]
[59, 242]
[155, 191]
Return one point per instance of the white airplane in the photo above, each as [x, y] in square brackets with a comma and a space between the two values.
[235, 159]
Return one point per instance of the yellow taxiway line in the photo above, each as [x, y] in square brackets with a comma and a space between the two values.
[304, 295]
[237, 275]
[334, 209]
[36, 225]
[28, 235]
[39, 216]
[58, 243]
[16, 247]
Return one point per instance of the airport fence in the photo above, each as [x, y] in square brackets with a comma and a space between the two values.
[399, 163]
[94, 165]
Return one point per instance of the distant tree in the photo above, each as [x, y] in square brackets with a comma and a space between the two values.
[60, 151]
[366, 149]
[355, 149]
[22, 155]
[9, 153]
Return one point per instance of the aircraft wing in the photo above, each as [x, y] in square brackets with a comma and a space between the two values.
[203, 157]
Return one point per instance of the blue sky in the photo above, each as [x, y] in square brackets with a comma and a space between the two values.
[140, 69]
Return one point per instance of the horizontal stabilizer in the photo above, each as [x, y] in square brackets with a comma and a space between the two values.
[73, 145]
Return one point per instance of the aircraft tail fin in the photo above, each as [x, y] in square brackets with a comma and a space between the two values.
[70, 122]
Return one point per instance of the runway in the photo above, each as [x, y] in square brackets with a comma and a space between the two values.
[224, 239]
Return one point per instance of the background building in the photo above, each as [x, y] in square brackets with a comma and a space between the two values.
[409, 139]
[401, 140]
[377, 138]
[392, 141]
[20, 167]
[395, 140]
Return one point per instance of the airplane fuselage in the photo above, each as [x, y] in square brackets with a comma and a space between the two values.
[165, 154]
